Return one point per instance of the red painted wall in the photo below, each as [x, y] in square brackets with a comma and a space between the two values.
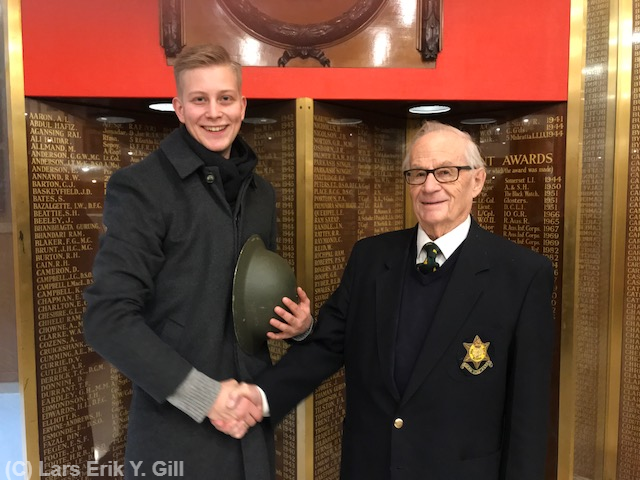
[492, 50]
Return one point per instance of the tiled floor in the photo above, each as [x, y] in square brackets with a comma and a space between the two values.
[11, 433]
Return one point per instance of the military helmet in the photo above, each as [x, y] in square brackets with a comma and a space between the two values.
[260, 280]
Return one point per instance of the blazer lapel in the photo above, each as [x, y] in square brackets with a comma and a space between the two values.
[464, 288]
[387, 308]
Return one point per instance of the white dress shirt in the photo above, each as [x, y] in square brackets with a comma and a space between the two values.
[446, 243]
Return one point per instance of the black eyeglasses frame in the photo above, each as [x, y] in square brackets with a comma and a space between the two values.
[427, 171]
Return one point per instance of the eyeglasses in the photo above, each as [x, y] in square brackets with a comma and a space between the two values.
[417, 176]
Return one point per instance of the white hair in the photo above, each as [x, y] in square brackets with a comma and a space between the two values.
[472, 152]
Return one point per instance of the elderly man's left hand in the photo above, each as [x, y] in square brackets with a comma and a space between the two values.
[297, 320]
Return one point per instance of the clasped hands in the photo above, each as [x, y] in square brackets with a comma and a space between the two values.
[238, 406]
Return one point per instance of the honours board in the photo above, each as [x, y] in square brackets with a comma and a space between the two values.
[271, 132]
[82, 400]
[523, 201]
[628, 464]
[358, 191]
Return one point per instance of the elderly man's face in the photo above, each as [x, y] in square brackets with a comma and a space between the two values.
[440, 207]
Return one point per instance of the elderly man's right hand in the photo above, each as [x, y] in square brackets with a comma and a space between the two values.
[237, 408]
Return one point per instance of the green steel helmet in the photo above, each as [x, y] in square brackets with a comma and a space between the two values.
[260, 280]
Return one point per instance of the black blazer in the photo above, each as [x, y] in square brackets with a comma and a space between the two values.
[449, 424]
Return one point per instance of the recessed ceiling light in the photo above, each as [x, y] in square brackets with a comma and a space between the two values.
[429, 109]
[112, 119]
[259, 120]
[162, 107]
[344, 121]
[478, 121]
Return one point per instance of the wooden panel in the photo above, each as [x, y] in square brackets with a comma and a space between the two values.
[82, 400]
[628, 441]
[523, 200]
[358, 192]
[346, 33]
[272, 135]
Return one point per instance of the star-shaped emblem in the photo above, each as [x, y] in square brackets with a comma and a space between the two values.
[477, 352]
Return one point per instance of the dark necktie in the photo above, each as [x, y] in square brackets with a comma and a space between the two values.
[429, 265]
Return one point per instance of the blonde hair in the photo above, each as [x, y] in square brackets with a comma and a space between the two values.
[199, 56]
[472, 152]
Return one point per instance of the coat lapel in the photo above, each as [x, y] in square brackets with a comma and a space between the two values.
[465, 287]
[388, 296]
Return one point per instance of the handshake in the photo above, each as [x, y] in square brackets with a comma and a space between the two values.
[237, 408]
[239, 405]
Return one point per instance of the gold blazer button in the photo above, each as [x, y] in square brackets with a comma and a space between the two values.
[398, 423]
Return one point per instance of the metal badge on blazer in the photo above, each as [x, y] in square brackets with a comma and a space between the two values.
[478, 355]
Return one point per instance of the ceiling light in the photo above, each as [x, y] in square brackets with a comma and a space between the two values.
[478, 121]
[259, 120]
[429, 109]
[344, 121]
[162, 107]
[112, 119]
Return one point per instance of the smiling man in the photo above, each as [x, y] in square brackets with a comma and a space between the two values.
[445, 333]
[159, 308]
[210, 103]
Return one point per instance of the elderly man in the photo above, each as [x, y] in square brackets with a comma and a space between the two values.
[445, 331]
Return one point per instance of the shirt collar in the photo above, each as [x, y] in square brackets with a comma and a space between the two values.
[449, 242]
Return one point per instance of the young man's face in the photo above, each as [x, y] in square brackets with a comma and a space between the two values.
[211, 106]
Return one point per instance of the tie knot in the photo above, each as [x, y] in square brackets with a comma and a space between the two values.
[431, 249]
[429, 265]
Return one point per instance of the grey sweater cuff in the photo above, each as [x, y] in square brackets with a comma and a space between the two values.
[195, 395]
[303, 335]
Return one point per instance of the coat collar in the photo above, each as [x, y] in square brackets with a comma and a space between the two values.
[182, 157]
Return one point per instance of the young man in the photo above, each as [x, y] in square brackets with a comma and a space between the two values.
[445, 332]
[159, 308]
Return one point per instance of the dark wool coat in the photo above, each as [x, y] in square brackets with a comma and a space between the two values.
[449, 424]
[160, 305]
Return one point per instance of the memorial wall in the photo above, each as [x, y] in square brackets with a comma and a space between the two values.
[592, 278]
[271, 132]
[523, 196]
[628, 464]
[82, 400]
[8, 341]
[603, 337]
[357, 190]
[523, 200]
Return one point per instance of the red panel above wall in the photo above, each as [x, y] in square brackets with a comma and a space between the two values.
[492, 50]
